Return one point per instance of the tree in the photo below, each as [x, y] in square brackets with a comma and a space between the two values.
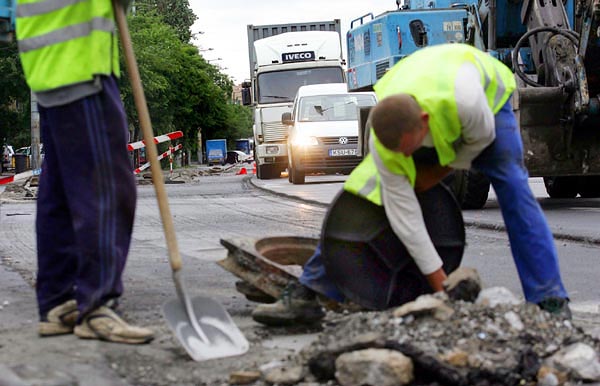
[175, 13]
[14, 98]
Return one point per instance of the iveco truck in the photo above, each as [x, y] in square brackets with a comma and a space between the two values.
[284, 57]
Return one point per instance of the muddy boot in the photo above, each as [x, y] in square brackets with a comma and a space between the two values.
[297, 305]
[556, 306]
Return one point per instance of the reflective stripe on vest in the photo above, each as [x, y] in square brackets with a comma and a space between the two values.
[428, 75]
[66, 42]
[364, 180]
[67, 33]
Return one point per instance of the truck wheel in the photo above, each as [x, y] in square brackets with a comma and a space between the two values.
[289, 169]
[589, 186]
[297, 176]
[471, 188]
[561, 187]
[268, 172]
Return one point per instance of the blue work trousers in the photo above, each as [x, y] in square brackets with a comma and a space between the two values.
[86, 201]
[531, 241]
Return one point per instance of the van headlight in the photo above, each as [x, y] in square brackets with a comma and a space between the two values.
[304, 140]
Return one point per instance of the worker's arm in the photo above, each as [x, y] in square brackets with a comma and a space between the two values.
[476, 117]
[404, 214]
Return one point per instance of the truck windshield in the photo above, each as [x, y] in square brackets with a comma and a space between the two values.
[281, 86]
[332, 107]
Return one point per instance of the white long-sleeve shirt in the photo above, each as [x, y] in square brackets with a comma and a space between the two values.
[398, 196]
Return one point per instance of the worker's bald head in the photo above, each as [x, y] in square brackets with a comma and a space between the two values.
[393, 116]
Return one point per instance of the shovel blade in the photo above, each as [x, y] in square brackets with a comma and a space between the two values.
[218, 336]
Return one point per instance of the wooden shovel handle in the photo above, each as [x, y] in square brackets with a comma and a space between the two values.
[144, 117]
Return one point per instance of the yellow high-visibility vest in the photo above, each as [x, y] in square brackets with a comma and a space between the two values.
[429, 76]
[66, 42]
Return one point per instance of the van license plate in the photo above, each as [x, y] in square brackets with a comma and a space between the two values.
[341, 152]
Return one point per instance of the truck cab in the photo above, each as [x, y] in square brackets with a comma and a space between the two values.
[283, 63]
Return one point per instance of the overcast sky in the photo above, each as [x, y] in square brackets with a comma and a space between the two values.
[224, 24]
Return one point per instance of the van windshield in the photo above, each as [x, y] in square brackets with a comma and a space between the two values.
[343, 107]
[281, 86]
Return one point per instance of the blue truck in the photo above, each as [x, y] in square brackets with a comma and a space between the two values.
[216, 151]
[7, 20]
[553, 47]
[245, 145]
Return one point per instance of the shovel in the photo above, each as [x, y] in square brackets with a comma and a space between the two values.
[201, 324]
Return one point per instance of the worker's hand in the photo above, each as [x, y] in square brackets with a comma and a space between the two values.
[435, 280]
[430, 175]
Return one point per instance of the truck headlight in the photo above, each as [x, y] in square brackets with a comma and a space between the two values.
[304, 140]
[272, 149]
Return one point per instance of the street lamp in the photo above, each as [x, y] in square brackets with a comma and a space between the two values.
[213, 60]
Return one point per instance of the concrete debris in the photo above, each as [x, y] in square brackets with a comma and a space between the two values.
[244, 377]
[285, 375]
[463, 284]
[514, 320]
[374, 367]
[425, 304]
[510, 343]
[494, 296]
[548, 376]
[579, 358]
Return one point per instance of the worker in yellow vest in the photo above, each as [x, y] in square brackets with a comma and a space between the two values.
[455, 99]
[87, 193]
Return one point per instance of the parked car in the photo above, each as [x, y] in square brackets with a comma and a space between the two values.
[6, 160]
[323, 130]
[26, 150]
[235, 156]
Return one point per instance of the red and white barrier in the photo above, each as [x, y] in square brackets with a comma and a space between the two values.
[159, 139]
[130, 147]
[163, 155]
[20, 176]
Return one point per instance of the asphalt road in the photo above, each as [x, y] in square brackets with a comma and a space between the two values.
[572, 221]
[205, 211]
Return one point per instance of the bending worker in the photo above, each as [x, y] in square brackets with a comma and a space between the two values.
[456, 99]
[87, 193]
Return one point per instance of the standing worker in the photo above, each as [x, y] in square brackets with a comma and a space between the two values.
[87, 193]
[455, 99]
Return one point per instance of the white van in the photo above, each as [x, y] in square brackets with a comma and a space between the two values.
[323, 130]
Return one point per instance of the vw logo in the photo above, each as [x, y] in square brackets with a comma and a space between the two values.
[343, 141]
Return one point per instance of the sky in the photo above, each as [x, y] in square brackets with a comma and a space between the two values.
[223, 23]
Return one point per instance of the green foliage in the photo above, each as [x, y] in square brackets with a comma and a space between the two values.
[182, 90]
[14, 98]
[175, 13]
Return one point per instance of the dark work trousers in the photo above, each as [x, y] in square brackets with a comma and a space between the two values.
[531, 241]
[86, 202]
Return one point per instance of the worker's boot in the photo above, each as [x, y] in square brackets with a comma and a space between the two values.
[59, 320]
[556, 306]
[297, 305]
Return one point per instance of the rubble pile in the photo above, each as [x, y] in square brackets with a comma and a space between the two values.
[436, 340]
[21, 190]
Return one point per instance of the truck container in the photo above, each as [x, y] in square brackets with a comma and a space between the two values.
[282, 58]
[216, 151]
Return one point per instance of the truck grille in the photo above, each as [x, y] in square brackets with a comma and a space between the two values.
[318, 159]
[274, 132]
[336, 140]
[381, 68]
